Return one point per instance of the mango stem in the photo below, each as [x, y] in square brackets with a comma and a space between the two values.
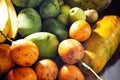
[89, 68]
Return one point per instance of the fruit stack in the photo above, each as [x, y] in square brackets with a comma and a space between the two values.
[56, 39]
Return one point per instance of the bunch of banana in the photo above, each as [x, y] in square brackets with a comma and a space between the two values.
[8, 20]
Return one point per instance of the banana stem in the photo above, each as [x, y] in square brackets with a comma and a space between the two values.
[89, 68]
[6, 36]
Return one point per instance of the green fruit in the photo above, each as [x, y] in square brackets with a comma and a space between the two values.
[65, 9]
[76, 13]
[64, 18]
[27, 3]
[46, 42]
[56, 27]
[29, 21]
[49, 9]
[98, 5]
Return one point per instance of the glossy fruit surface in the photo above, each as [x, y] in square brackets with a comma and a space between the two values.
[80, 30]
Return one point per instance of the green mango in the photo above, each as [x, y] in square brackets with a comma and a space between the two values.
[27, 3]
[46, 42]
[49, 8]
[56, 27]
[29, 21]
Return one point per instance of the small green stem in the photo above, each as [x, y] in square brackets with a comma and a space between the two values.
[6, 36]
[89, 68]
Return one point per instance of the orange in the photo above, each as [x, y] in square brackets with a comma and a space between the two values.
[80, 30]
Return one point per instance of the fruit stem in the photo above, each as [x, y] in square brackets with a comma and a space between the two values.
[89, 68]
[6, 36]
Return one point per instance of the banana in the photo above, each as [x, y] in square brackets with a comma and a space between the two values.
[13, 19]
[4, 20]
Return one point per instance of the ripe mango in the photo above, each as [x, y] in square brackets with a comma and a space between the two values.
[29, 21]
[103, 42]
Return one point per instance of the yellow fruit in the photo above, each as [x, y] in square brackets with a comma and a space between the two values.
[80, 30]
[13, 19]
[102, 44]
[4, 20]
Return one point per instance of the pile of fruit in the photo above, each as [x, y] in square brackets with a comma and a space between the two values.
[55, 39]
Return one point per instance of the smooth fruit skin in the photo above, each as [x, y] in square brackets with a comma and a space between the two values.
[70, 72]
[13, 19]
[4, 20]
[46, 42]
[46, 69]
[75, 14]
[29, 21]
[70, 51]
[91, 15]
[64, 14]
[80, 30]
[55, 27]
[102, 44]
[24, 52]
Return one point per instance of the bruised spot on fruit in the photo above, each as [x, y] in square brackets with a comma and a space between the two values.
[26, 54]
[48, 37]
[27, 63]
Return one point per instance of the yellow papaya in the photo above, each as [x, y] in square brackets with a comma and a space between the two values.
[102, 44]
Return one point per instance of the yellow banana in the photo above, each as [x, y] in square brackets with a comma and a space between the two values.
[13, 19]
[4, 20]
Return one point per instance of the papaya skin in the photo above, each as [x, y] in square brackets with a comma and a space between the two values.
[102, 44]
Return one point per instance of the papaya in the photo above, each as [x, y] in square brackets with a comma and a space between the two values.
[103, 42]
[56, 27]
